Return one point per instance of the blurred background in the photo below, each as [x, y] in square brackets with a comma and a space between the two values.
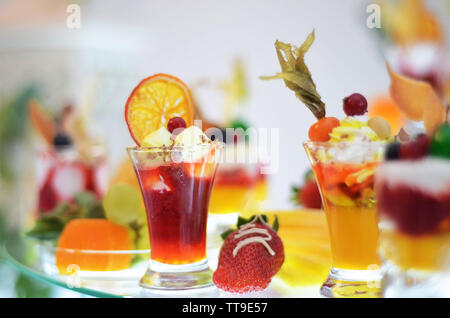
[94, 66]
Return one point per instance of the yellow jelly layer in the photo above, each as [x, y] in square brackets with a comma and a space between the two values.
[229, 199]
[426, 253]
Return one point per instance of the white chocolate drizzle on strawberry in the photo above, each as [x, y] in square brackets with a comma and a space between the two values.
[250, 229]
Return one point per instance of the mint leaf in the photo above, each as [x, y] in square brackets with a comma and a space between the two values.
[50, 225]
[241, 221]
[308, 175]
[276, 224]
[239, 123]
[225, 234]
[46, 228]
[294, 195]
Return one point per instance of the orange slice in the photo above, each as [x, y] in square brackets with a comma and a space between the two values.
[93, 234]
[417, 100]
[383, 106]
[154, 102]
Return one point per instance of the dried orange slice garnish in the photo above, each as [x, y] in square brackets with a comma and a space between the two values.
[154, 102]
[417, 100]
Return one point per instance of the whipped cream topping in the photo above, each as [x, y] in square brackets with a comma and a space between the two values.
[250, 229]
[191, 137]
[431, 175]
[355, 152]
[193, 144]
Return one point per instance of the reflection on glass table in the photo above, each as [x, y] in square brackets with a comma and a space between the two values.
[303, 233]
[39, 263]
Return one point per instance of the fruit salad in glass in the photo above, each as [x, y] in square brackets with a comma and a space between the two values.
[175, 163]
[413, 190]
[344, 155]
[413, 187]
[234, 188]
[62, 173]
[85, 226]
[69, 161]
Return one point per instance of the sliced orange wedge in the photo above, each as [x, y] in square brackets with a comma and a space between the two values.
[383, 106]
[154, 102]
[43, 124]
[93, 235]
[417, 100]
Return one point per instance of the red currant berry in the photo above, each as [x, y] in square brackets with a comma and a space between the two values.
[355, 104]
[416, 148]
[174, 123]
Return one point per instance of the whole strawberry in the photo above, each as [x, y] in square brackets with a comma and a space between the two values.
[249, 257]
[308, 195]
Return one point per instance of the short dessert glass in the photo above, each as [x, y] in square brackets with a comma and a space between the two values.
[62, 174]
[176, 186]
[345, 175]
[233, 187]
[414, 208]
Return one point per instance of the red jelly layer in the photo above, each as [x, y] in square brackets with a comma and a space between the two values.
[238, 176]
[414, 211]
[177, 206]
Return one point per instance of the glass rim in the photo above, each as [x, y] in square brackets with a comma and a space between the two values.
[174, 148]
[55, 249]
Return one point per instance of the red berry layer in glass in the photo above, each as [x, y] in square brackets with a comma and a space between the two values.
[414, 211]
[176, 200]
[238, 176]
[50, 192]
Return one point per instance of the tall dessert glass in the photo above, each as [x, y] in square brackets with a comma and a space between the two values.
[414, 206]
[63, 173]
[345, 176]
[176, 185]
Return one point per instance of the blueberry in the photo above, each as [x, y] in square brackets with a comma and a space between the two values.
[392, 151]
[62, 140]
[213, 135]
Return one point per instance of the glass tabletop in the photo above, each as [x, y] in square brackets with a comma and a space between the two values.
[25, 255]
[32, 258]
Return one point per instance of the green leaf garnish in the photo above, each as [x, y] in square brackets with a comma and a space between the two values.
[242, 221]
[225, 234]
[308, 175]
[276, 224]
[294, 195]
[46, 228]
[50, 225]
[239, 123]
[297, 76]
